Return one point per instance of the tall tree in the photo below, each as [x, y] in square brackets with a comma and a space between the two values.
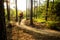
[36, 6]
[26, 9]
[3, 35]
[57, 11]
[52, 6]
[8, 9]
[39, 8]
[47, 10]
[34, 9]
[39, 5]
[31, 14]
[16, 11]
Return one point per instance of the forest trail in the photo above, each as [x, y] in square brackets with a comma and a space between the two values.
[23, 32]
[39, 31]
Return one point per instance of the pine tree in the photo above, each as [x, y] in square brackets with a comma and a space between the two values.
[16, 11]
[3, 35]
[47, 10]
[8, 10]
[31, 15]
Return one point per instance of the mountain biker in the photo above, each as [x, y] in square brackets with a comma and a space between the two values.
[20, 16]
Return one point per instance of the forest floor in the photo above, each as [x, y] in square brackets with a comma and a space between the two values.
[24, 32]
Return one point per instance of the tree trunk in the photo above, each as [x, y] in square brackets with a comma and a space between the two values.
[34, 8]
[8, 10]
[16, 11]
[31, 14]
[3, 35]
[47, 10]
[39, 8]
[52, 6]
[52, 11]
[26, 9]
[39, 5]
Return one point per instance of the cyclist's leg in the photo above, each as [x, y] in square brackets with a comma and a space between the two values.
[19, 20]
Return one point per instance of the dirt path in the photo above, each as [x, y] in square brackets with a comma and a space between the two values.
[42, 31]
[23, 32]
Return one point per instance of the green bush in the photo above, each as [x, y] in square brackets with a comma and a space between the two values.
[55, 26]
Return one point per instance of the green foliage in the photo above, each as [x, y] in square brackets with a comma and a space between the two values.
[58, 8]
[53, 14]
[40, 11]
[55, 26]
[40, 20]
